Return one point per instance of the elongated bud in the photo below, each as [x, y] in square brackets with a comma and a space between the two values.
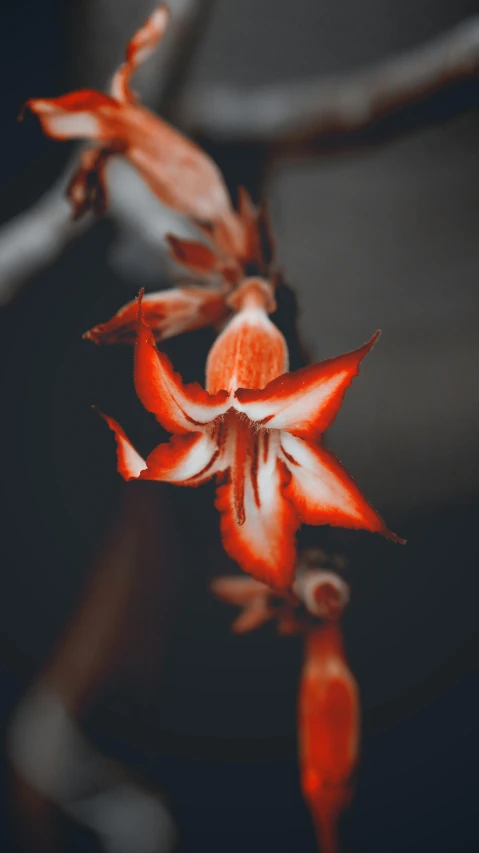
[250, 351]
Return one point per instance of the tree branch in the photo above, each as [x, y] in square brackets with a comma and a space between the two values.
[309, 109]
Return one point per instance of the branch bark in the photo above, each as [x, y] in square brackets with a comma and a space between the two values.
[310, 109]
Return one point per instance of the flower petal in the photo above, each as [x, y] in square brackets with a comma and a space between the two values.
[78, 115]
[259, 534]
[189, 253]
[254, 616]
[252, 596]
[139, 48]
[306, 401]
[168, 313]
[250, 350]
[130, 463]
[186, 460]
[238, 590]
[323, 492]
[179, 408]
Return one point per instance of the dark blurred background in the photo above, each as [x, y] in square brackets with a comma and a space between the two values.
[380, 233]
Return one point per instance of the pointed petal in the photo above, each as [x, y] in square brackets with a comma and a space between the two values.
[179, 408]
[237, 590]
[189, 253]
[78, 115]
[168, 313]
[186, 460]
[259, 534]
[252, 617]
[130, 463]
[323, 492]
[307, 401]
[138, 50]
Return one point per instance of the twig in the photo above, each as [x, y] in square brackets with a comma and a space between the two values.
[309, 109]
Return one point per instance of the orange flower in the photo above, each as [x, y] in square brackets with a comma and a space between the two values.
[259, 429]
[177, 171]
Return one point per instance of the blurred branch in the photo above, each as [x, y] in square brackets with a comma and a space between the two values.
[33, 239]
[306, 110]
[296, 115]
[49, 753]
[113, 629]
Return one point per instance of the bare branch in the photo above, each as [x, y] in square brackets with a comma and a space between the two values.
[309, 109]
[48, 751]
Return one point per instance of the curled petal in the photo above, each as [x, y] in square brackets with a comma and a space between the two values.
[196, 256]
[186, 460]
[84, 114]
[130, 463]
[258, 525]
[323, 492]
[139, 48]
[168, 313]
[323, 593]
[179, 408]
[306, 401]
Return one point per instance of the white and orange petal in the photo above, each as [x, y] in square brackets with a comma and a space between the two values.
[84, 114]
[129, 462]
[323, 492]
[167, 313]
[306, 401]
[258, 524]
[185, 460]
[139, 48]
[179, 408]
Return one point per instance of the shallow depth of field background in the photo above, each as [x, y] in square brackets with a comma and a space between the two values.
[383, 235]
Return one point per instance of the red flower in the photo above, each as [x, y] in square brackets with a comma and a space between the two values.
[178, 172]
[260, 429]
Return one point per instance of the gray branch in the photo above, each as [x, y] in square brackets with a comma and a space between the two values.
[48, 751]
[309, 109]
[295, 113]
